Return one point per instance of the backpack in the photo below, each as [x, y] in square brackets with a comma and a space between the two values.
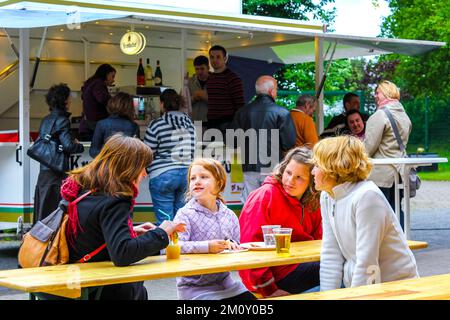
[45, 244]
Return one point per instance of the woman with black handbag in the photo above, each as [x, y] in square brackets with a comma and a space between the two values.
[57, 126]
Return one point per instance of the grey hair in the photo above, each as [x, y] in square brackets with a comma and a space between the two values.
[304, 99]
[264, 85]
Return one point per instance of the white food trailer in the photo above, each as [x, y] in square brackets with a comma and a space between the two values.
[70, 38]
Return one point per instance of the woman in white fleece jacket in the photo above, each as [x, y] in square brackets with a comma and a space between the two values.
[362, 242]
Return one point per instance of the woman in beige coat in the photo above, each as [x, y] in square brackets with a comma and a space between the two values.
[380, 141]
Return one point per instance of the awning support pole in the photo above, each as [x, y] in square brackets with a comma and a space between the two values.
[183, 56]
[38, 59]
[24, 112]
[318, 49]
[13, 47]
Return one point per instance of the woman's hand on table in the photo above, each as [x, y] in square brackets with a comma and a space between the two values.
[143, 228]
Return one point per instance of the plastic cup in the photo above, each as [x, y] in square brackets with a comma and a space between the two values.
[282, 240]
[267, 231]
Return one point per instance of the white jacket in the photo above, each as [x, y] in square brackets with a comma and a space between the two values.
[362, 242]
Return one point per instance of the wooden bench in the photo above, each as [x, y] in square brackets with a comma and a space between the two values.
[70, 280]
[426, 288]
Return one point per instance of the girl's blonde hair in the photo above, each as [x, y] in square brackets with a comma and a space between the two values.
[216, 169]
[301, 155]
[342, 159]
[389, 90]
[116, 167]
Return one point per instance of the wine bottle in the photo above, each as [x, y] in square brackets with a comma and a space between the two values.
[148, 74]
[140, 76]
[158, 75]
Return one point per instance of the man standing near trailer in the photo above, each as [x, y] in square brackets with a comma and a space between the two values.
[274, 134]
[197, 89]
[302, 116]
[225, 91]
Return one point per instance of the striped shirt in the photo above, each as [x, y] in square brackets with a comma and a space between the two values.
[225, 94]
[172, 140]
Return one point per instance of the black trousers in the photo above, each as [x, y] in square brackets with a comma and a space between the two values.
[47, 193]
[304, 277]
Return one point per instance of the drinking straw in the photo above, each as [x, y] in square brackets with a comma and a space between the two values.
[168, 217]
[171, 237]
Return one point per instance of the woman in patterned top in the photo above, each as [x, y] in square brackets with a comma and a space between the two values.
[210, 228]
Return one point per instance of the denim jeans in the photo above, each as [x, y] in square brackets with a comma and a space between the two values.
[168, 191]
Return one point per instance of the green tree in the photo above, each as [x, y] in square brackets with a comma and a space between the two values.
[300, 77]
[292, 9]
[425, 75]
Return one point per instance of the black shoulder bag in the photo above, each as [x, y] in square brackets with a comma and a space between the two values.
[48, 152]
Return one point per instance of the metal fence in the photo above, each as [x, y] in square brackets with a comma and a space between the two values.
[430, 117]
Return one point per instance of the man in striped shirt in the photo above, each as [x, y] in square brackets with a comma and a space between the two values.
[225, 91]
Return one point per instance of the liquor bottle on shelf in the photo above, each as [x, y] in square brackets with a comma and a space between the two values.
[158, 75]
[140, 76]
[148, 74]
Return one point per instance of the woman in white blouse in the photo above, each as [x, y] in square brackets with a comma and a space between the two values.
[363, 242]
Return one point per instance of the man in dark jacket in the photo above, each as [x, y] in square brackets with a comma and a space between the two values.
[264, 131]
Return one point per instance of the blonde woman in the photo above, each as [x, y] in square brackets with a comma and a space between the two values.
[380, 141]
[362, 239]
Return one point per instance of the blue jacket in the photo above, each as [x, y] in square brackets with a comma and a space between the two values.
[109, 126]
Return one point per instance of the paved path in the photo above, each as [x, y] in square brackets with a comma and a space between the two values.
[430, 221]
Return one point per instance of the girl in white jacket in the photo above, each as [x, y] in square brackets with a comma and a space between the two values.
[363, 242]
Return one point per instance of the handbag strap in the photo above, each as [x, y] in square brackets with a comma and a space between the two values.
[88, 256]
[395, 128]
[51, 129]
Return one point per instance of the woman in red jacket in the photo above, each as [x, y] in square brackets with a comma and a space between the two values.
[287, 198]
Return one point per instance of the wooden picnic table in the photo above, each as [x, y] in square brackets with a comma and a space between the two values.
[68, 280]
[426, 288]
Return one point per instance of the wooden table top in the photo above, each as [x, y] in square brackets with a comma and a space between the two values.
[426, 288]
[68, 280]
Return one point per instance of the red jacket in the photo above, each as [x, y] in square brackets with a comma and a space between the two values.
[270, 204]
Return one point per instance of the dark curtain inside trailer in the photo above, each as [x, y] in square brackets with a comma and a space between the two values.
[249, 70]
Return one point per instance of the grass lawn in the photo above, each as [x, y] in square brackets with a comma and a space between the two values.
[443, 173]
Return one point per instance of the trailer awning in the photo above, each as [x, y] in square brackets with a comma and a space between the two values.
[269, 39]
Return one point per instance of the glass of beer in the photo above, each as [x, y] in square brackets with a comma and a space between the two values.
[282, 240]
